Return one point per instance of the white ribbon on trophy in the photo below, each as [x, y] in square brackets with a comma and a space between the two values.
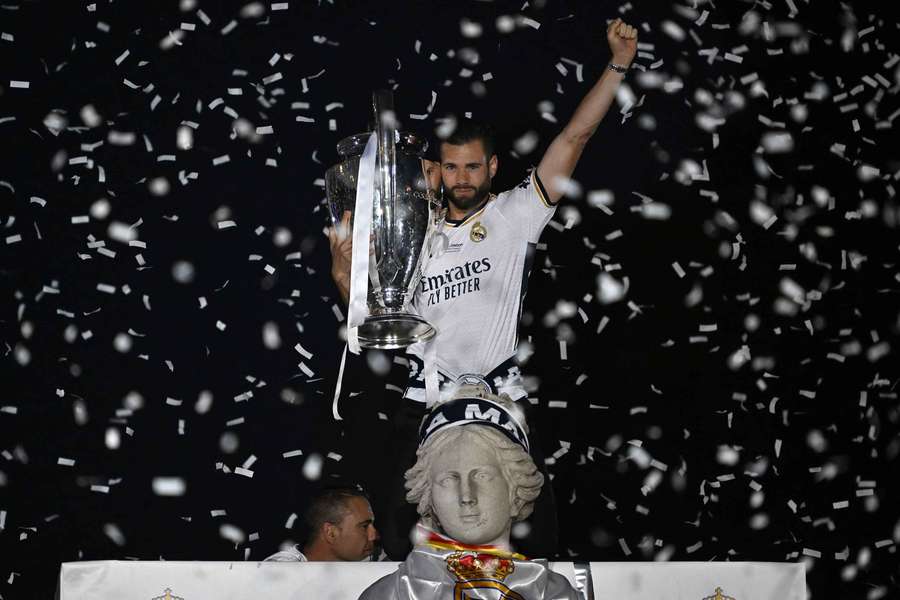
[359, 265]
[362, 233]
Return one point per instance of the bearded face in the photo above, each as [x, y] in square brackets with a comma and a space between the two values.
[466, 173]
[465, 197]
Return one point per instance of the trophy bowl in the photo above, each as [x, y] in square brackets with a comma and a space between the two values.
[403, 213]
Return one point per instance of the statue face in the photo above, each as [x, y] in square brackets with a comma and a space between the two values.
[469, 493]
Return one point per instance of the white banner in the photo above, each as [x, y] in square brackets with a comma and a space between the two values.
[126, 580]
[698, 581]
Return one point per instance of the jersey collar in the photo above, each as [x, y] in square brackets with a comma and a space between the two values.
[472, 214]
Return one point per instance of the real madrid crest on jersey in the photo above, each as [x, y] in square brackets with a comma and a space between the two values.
[478, 232]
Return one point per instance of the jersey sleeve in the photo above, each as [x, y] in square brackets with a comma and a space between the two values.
[527, 207]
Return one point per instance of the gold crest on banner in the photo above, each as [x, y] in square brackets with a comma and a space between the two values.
[718, 596]
[167, 595]
[482, 575]
[478, 232]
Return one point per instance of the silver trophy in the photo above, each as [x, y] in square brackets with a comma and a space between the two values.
[404, 211]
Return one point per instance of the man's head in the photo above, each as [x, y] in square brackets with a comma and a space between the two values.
[341, 525]
[468, 163]
[472, 481]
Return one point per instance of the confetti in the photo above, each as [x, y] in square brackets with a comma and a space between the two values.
[721, 271]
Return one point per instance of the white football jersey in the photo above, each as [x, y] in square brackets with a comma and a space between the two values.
[474, 282]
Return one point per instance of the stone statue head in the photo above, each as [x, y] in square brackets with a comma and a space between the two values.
[473, 475]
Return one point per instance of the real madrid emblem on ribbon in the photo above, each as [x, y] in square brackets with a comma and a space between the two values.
[481, 576]
[478, 232]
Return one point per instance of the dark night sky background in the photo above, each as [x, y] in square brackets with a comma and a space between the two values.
[724, 280]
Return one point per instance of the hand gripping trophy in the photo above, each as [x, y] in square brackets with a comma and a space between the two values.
[380, 184]
[473, 478]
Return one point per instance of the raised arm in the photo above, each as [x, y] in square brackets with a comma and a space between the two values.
[562, 155]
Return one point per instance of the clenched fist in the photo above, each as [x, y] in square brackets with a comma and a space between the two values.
[622, 39]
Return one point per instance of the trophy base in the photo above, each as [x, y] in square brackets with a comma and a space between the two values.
[395, 330]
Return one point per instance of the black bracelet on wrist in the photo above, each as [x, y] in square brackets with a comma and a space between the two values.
[617, 68]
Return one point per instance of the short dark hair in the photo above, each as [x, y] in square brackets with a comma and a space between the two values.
[329, 505]
[470, 130]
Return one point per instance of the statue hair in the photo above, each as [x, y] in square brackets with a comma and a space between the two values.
[517, 466]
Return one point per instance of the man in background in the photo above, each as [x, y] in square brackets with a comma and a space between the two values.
[341, 527]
